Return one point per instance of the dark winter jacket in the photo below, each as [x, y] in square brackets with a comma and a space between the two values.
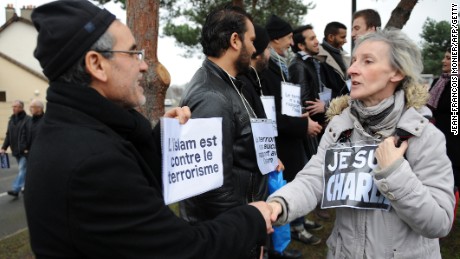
[94, 189]
[252, 92]
[16, 134]
[292, 131]
[33, 127]
[209, 94]
[303, 73]
[442, 116]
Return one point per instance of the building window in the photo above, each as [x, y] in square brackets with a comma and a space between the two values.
[2, 96]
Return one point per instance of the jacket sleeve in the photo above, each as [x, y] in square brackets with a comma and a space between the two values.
[301, 196]
[332, 79]
[421, 192]
[298, 75]
[114, 212]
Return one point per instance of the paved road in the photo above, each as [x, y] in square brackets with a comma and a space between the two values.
[12, 214]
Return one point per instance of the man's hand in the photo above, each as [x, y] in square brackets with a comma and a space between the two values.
[313, 127]
[266, 212]
[387, 152]
[315, 107]
[280, 166]
[277, 209]
[180, 113]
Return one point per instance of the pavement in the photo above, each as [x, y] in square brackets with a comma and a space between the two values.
[12, 213]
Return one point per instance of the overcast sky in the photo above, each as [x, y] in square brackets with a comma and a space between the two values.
[182, 69]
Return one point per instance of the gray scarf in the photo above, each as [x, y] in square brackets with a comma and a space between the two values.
[380, 120]
[281, 62]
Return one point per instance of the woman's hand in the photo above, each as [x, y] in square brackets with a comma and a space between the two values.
[387, 152]
[276, 210]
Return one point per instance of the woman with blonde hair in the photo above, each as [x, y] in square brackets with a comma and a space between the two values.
[380, 163]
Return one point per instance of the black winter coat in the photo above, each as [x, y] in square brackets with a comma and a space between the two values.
[16, 134]
[209, 94]
[442, 116]
[94, 189]
[252, 92]
[292, 131]
[33, 126]
[303, 72]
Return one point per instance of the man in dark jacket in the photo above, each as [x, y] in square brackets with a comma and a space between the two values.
[292, 131]
[16, 139]
[214, 91]
[36, 110]
[252, 90]
[94, 187]
[316, 79]
[335, 36]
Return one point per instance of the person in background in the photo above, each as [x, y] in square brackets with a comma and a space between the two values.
[414, 175]
[292, 131]
[252, 90]
[94, 187]
[335, 36]
[365, 21]
[16, 139]
[440, 105]
[214, 91]
[37, 111]
[316, 79]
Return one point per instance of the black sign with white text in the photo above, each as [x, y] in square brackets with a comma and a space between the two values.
[347, 179]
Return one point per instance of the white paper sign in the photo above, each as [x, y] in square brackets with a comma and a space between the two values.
[270, 110]
[325, 95]
[290, 99]
[192, 157]
[264, 142]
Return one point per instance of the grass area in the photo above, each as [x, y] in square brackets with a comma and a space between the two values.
[17, 246]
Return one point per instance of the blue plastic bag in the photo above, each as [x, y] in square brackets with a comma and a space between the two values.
[282, 235]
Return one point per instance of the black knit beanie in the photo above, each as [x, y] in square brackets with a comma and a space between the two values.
[277, 27]
[66, 31]
[262, 39]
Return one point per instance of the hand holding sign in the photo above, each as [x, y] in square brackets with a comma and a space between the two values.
[180, 113]
[387, 152]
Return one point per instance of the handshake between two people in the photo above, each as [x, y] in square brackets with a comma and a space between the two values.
[270, 211]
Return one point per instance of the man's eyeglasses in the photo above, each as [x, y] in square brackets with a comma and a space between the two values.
[140, 54]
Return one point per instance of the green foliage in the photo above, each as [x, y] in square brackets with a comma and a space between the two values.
[436, 39]
[123, 2]
[192, 15]
[183, 19]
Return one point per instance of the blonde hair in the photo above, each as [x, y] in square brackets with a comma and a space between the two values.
[404, 56]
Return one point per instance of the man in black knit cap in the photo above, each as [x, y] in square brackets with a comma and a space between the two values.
[292, 131]
[94, 187]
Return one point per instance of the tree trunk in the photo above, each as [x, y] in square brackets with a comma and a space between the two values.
[143, 20]
[401, 14]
